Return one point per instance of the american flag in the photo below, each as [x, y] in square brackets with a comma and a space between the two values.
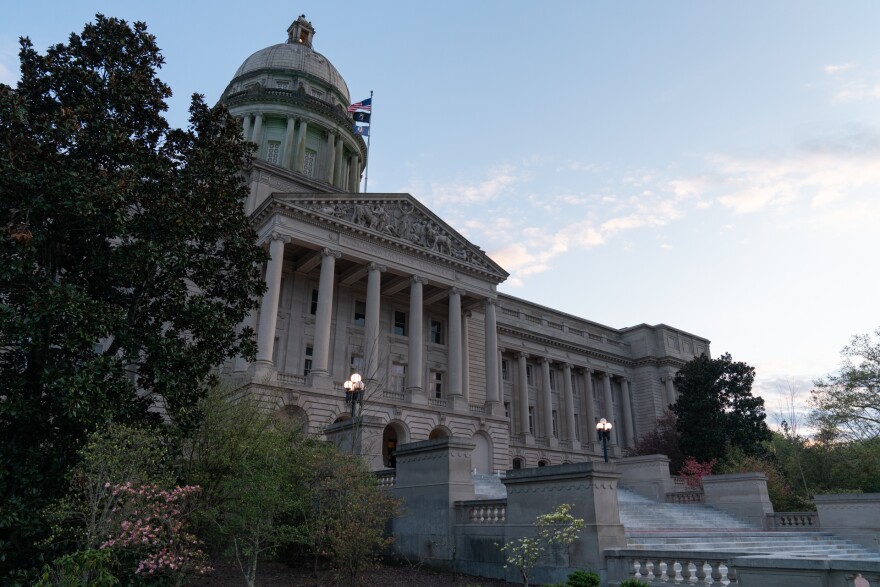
[365, 105]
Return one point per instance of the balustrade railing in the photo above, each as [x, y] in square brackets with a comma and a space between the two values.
[386, 479]
[785, 521]
[437, 403]
[291, 378]
[670, 568]
[685, 497]
[489, 511]
[395, 395]
[476, 408]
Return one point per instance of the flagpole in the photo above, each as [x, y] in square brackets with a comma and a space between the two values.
[367, 166]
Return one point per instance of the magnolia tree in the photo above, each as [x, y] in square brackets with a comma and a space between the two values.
[558, 528]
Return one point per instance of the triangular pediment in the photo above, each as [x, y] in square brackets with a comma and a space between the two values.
[397, 218]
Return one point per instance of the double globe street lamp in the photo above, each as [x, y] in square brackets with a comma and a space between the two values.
[604, 429]
[354, 392]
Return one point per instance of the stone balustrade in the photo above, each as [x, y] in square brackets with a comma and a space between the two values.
[476, 408]
[386, 479]
[437, 403]
[291, 378]
[684, 497]
[785, 521]
[485, 511]
[394, 395]
[670, 568]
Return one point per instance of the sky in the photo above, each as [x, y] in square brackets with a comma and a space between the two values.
[713, 166]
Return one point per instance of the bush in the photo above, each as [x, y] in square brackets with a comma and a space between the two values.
[583, 579]
[79, 569]
[633, 583]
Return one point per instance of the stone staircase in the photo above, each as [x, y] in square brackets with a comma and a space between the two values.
[654, 526]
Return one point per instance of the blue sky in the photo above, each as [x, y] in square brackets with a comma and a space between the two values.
[713, 166]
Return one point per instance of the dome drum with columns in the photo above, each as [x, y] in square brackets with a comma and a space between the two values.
[292, 103]
[380, 285]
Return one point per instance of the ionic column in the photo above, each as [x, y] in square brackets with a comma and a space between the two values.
[546, 398]
[340, 164]
[269, 306]
[629, 433]
[609, 405]
[416, 339]
[301, 134]
[568, 397]
[287, 159]
[589, 433]
[331, 157]
[454, 348]
[371, 321]
[324, 310]
[493, 356]
[246, 127]
[465, 357]
[670, 390]
[258, 133]
[523, 397]
[354, 174]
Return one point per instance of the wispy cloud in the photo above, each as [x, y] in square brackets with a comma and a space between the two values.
[499, 181]
[831, 69]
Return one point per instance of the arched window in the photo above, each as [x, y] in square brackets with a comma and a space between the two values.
[518, 463]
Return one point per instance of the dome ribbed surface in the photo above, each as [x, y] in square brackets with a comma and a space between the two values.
[296, 58]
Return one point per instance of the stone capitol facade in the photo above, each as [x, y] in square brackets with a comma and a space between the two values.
[378, 284]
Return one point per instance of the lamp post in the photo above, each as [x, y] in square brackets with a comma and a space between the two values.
[354, 391]
[604, 430]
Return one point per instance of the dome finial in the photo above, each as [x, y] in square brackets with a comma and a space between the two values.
[301, 31]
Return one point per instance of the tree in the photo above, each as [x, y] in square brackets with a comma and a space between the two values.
[846, 405]
[662, 440]
[558, 528]
[716, 410]
[126, 260]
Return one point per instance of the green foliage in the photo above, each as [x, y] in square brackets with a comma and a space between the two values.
[782, 496]
[633, 583]
[83, 568]
[119, 455]
[846, 405]
[583, 579]
[126, 260]
[558, 528]
[716, 410]
[662, 440]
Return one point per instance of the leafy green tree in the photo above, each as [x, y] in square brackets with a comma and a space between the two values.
[846, 404]
[716, 409]
[126, 261]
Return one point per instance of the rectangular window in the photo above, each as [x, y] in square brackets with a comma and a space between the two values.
[360, 313]
[309, 159]
[272, 152]
[398, 377]
[313, 309]
[436, 333]
[437, 384]
[577, 427]
[507, 409]
[531, 420]
[307, 364]
[399, 323]
[282, 84]
[357, 364]
[554, 417]
[505, 370]
[530, 375]
[552, 379]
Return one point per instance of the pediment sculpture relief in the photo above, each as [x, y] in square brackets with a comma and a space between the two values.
[400, 220]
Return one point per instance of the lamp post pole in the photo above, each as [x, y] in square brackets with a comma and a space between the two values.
[354, 390]
[604, 430]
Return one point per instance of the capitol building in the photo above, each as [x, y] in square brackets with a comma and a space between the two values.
[379, 285]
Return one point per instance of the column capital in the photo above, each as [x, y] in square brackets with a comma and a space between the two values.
[327, 252]
[458, 290]
[587, 370]
[523, 355]
[377, 267]
[277, 236]
[417, 279]
[567, 366]
[467, 313]
[606, 375]
[490, 302]
[546, 360]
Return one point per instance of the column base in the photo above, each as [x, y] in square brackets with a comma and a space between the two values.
[458, 403]
[553, 442]
[416, 396]
[529, 439]
[263, 371]
[495, 408]
[575, 445]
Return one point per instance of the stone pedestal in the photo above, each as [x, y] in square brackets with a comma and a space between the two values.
[743, 495]
[646, 475]
[431, 476]
[361, 436]
[854, 516]
[591, 488]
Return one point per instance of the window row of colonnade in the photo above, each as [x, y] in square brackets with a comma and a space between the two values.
[455, 338]
[332, 162]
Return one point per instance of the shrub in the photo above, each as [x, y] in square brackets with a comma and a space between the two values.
[633, 583]
[693, 471]
[82, 568]
[583, 579]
